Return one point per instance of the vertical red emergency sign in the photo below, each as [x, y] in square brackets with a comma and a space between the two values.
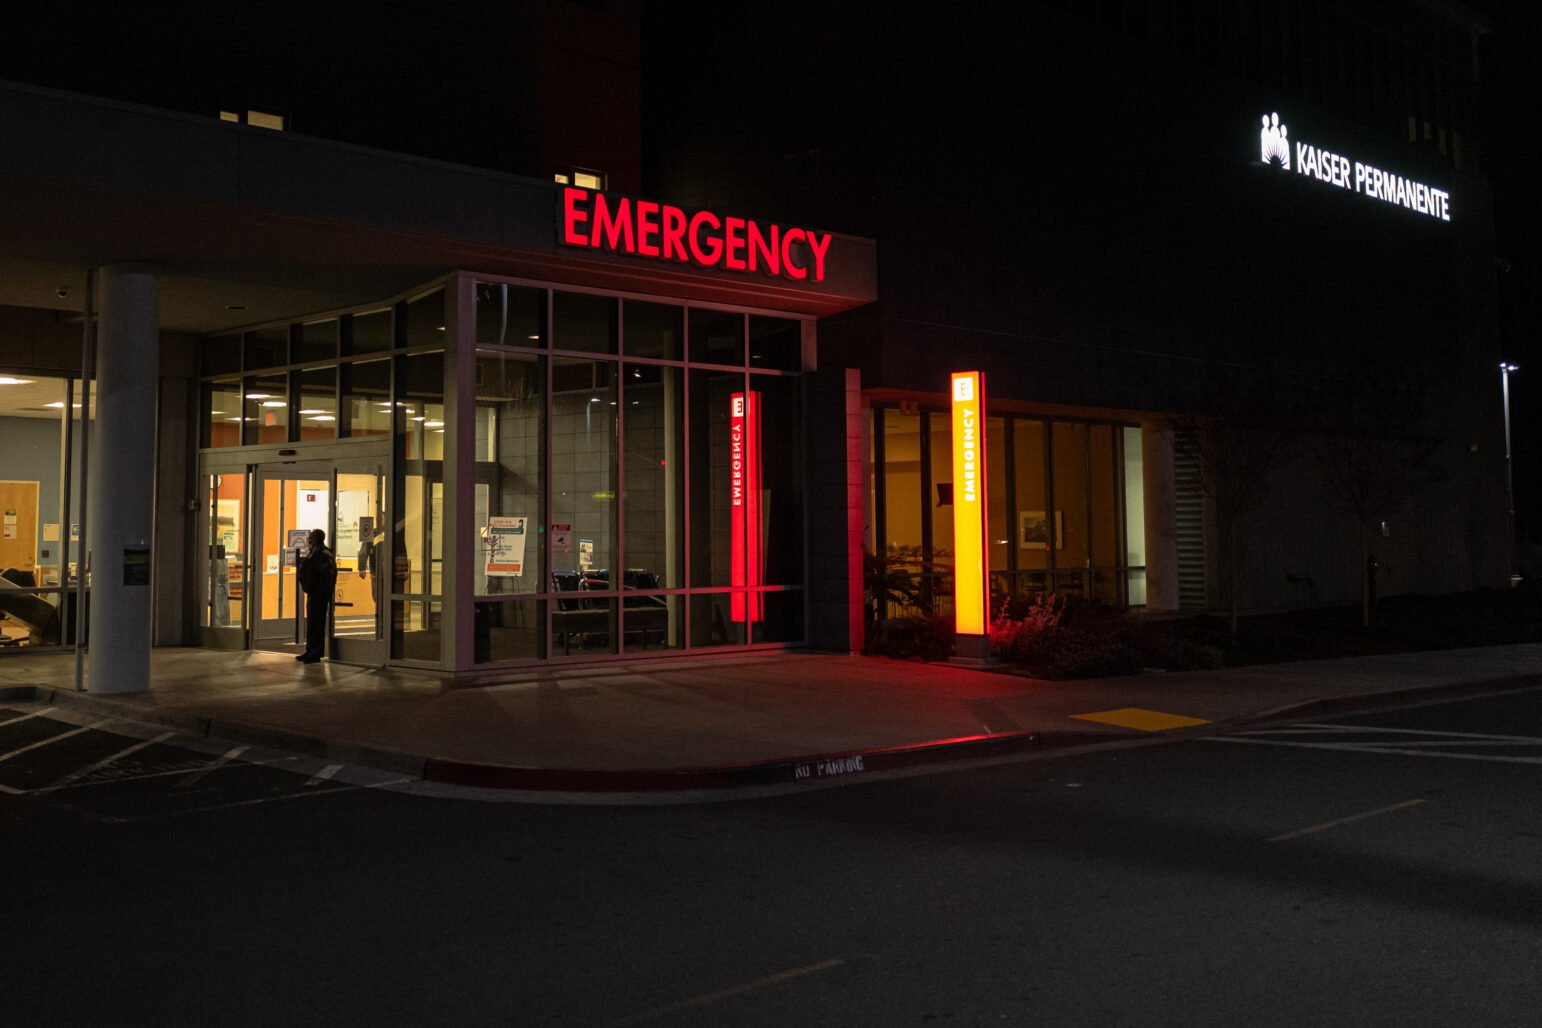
[744, 472]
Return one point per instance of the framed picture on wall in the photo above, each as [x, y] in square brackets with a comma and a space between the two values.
[1033, 530]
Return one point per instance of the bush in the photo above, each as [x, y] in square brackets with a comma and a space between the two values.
[1066, 637]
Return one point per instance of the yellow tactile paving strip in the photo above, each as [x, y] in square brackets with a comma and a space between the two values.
[1142, 720]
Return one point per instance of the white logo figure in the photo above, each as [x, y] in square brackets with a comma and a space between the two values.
[1272, 142]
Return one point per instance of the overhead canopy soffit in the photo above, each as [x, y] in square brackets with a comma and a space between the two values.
[283, 225]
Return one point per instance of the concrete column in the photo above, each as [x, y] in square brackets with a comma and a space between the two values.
[122, 477]
[1156, 440]
[837, 489]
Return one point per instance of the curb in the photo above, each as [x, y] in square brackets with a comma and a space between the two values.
[806, 770]
[1370, 701]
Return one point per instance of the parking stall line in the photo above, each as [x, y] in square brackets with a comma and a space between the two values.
[118, 780]
[709, 998]
[26, 717]
[1324, 826]
[197, 776]
[52, 739]
[88, 769]
[324, 774]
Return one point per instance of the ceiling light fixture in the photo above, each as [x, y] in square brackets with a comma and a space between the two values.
[7, 380]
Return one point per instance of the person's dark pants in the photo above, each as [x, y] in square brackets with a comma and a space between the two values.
[316, 625]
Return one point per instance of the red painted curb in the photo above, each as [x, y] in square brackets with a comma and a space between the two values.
[790, 771]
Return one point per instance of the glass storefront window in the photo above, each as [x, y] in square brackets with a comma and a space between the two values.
[780, 501]
[225, 589]
[510, 447]
[220, 356]
[511, 315]
[317, 415]
[653, 330]
[997, 486]
[1035, 529]
[717, 337]
[266, 411]
[368, 332]
[584, 458]
[581, 321]
[267, 347]
[510, 630]
[222, 415]
[711, 476]
[35, 609]
[712, 622]
[654, 527]
[316, 341]
[1134, 515]
[776, 343]
[425, 320]
[1069, 443]
[901, 528]
[418, 505]
[366, 399]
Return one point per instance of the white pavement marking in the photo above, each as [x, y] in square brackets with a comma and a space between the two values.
[119, 779]
[1349, 747]
[24, 717]
[1346, 820]
[265, 799]
[53, 738]
[127, 751]
[210, 768]
[722, 994]
[324, 774]
[1399, 731]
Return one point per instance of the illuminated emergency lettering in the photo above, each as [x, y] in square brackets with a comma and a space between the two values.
[969, 506]
[646, 228]
[746, 551]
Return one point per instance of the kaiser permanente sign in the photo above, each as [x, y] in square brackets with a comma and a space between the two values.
[1274, 146]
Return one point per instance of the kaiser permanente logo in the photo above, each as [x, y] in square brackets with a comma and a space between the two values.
[1274, 148]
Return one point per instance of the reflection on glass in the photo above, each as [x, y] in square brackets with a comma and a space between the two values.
[1032, 524]
[712, 622]
[581, 321]
[776, 343]
[369, 332]
[222, 406]
[317, 416]
[266, 410]
[717, 337]
[416, 630]
[510, 630]
[711, 475]
[780, 477]
[419, 444]
[1134, 514]
[511, 315]
[581, 624]
[511, 417]
[583, 469]
[653, 330]
[366, 392]
[652, 623]
[267, 347]
[220, 356]
[316, 341]
[655, 474]
[425, 320]
[902, 493]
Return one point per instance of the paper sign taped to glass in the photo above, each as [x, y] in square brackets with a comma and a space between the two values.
[503, 542]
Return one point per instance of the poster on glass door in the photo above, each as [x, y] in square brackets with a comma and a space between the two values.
[503, 542]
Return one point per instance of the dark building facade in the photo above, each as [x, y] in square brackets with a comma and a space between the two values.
[665, 350]
[1079, 200]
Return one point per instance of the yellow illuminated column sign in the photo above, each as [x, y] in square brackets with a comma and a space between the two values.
[970, 594]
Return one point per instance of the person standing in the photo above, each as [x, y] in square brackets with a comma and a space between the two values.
[318, 577]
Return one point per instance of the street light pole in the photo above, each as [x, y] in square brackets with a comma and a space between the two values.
[1505, 367]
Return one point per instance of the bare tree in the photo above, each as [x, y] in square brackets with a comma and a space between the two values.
[1374, 459]
[1242, 434]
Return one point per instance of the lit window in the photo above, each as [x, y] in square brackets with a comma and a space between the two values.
[265, 119]
[588, 180]
[562, 179]
[230, 116]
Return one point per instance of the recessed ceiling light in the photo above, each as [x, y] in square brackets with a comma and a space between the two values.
[7, 380]
[314, 410]
[258, 396]
[533, 337]
[58, 405]
[420, 418]
[323, 417]
[432, 424]
[276, 403]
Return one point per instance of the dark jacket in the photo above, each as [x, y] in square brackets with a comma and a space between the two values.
[318, 573]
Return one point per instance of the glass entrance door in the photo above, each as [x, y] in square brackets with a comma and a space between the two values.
[289, 500]
[358, 537]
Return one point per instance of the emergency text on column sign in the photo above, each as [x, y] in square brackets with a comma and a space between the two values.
[828, 768]
[647, 228]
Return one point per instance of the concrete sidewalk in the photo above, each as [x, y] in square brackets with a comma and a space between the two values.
[736, 721]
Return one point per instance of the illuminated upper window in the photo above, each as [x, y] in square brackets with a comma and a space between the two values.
[261, 119]
[583, 178]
